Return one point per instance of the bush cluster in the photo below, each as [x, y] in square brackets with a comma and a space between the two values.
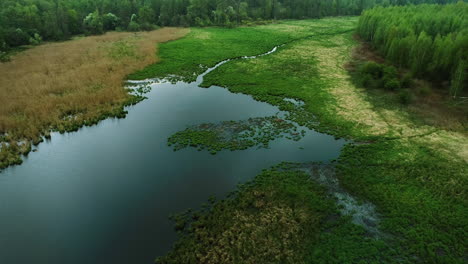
[374, 75]
[379, 76]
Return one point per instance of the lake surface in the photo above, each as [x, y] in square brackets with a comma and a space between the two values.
[104, 193]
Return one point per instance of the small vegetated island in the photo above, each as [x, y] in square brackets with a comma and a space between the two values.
[393, 81]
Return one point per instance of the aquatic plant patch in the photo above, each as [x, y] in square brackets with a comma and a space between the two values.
[279, 217]
[236, 135]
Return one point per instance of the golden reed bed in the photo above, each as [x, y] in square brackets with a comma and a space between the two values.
[84, 76]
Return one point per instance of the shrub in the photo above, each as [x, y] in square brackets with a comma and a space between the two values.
[35, 40]
[365, 80]
[93, 24]
[375, 75]
[110, 21]
[407, 81]
[184, 22]
[405, 96]
[392, 84]
[133, 26]
[3, 54]
[4, 57]
[389, 72]
[16, 37]
[199, 22]
[424, 90]
[375, 83]
[374, 69]
[3, 45]
[368, 81]
[147, 27]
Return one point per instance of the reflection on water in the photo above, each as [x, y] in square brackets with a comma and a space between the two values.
[104, 194]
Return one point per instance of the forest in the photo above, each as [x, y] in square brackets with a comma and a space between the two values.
[429, 40]
[24, 22]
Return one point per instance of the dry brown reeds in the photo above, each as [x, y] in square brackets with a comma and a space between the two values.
[84, 76]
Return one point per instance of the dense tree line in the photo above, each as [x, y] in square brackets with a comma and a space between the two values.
[430, 40]
[30, 21]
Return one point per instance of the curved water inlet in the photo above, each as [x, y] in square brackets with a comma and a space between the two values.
[363, 213]
[136, 84]
[200, 77]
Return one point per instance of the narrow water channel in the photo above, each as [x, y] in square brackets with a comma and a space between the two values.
[104, 193]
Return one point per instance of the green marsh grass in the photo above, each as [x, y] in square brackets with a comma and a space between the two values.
[413, 172]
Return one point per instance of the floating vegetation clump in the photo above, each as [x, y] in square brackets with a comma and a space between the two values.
[236, 135]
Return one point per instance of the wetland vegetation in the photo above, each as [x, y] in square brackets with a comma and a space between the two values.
[412, 171]
[236, 135]
[63, 86]
[280, 217]
[392, 81]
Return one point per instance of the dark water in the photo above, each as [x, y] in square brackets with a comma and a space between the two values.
[103, 194]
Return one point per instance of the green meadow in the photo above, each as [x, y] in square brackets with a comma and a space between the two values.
[412, 171]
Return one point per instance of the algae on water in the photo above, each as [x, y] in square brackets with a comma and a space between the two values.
[236, 135]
